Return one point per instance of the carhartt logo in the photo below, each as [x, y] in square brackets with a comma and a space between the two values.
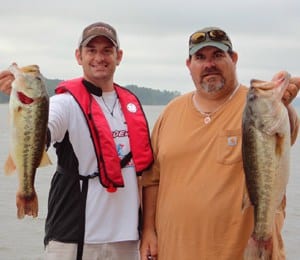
[232, 140]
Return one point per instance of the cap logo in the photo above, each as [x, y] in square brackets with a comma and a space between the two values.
[131, 108]
[100, 28]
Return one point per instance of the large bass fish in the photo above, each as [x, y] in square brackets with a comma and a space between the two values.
[28, 109]
[265, 149]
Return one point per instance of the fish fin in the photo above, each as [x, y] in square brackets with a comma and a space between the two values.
[246, 202]
[27, 205]
[9, 166]
[258, 249]
[45, 161]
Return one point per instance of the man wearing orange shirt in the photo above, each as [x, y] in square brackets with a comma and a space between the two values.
[193, 194]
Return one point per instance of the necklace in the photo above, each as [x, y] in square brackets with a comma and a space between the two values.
[208, 115]
[111, 111]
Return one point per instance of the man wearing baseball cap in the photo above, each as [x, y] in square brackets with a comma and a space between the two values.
[209, 36]
[93, 209]
[99, 29]
[194, 193]
[94, 200]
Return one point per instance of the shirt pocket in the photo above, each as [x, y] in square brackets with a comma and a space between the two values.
[229, 146]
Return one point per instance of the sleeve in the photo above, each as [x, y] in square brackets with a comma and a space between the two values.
[151, 176]
[294, 123]
[59, 114]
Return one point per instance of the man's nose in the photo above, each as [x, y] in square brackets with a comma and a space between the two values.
[99, 56]
[210, 62]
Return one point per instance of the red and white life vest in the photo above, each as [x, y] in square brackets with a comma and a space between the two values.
[105, 148]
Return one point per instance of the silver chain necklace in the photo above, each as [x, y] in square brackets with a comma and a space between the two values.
[111, 111]
[208, 115]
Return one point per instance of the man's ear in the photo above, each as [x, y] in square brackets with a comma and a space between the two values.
[119, 56]
[78, 56]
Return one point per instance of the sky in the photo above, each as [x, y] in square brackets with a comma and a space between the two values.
[153, 36]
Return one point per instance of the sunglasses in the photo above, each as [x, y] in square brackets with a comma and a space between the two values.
[214, 35]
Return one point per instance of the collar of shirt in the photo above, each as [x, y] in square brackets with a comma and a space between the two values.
[91, 88]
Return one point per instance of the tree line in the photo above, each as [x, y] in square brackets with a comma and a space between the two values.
[147, 96]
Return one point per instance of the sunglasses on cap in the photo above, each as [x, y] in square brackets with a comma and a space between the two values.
[214, 35]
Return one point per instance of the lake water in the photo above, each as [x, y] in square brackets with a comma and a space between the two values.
[23, 239]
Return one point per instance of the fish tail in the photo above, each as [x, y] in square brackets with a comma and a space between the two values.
[27, 205]
[258, 249]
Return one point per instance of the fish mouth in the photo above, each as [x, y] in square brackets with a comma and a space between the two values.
[263, 85]
[31, 69]
[282, 78]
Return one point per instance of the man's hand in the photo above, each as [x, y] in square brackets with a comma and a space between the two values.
[291, 90]
[6, 78]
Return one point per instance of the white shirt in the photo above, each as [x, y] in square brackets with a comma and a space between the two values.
[110, 217]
